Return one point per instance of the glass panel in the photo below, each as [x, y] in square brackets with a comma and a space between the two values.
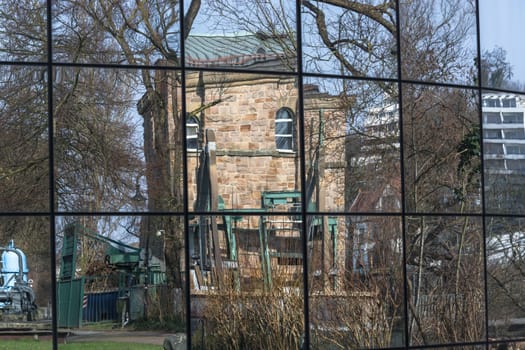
[24, 156]
[105, 32]
[504, 152]
[255, 35]
[238, 160]
[505, 273]
[441, 150]
[502, 64]
[283, 127]
[246, 274]
[445, 280]
[23, 31]
[352, 146]
[438, 40]
[356, 282]
[113, 146]
[354, 38]
[25, 280]
[120, 274]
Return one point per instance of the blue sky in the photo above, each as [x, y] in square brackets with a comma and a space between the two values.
[502, 24]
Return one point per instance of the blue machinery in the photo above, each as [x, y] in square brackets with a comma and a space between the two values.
[16, 294]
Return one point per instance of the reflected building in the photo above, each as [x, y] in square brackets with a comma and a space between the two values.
[242, 144]
[504, 151]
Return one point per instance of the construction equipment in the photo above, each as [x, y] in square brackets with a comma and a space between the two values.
[16, 292]
[124, 259]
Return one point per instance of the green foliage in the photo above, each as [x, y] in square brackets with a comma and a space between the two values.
[469, 165]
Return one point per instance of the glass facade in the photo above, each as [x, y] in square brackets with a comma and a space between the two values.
[262, 175]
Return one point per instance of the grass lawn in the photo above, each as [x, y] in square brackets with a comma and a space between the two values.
[29, 344]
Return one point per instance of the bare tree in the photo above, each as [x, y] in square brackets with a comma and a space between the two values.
[142, 33]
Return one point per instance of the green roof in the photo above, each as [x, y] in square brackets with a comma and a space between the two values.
[227, 51]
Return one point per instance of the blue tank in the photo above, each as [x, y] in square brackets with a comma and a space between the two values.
[14, 264]
[16, 294]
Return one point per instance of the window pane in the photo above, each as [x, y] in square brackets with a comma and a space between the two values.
[241, 158]
[284, 143]
[283, 128]
[442, 168]
[24, 155]
[352, 146]
[352, 259]
[251, 277]
[502, 63]
[98, 146]
[114, 270]
[23, 33]
[445, 280]
[438, 40]
[108, 33]
[255, 35]
[505, 262]
[504, 149]
[350, 38]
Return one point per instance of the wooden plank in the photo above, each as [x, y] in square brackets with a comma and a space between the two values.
[214, 200]
[198, 274]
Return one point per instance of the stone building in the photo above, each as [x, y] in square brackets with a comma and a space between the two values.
[257, 127]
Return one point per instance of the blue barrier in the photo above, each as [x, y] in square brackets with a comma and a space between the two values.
[100, 306]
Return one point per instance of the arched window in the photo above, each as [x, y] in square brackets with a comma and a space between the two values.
[284, 140]
[192, 133]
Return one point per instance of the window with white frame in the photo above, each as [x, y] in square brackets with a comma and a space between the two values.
[284, 140]
[192, 133]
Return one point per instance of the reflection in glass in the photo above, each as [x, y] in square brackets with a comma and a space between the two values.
[252, 35]
[442, 168]
[105, 32]
[504, 152]
[120, 271]
[351, 146]
[246, 280]
[506, 274]
[284, 130]
[98, 151]
[356, 282]
[445, 279]
[351, 38]
[502, 64]
[24, 161]
[25, 274]
[438, 40]
[239, 155]
[23, 36]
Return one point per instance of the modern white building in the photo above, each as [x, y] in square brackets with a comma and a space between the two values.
[504, 134]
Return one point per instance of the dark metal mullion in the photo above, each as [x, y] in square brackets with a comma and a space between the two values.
[402, 176]
[182, 61]
[479, 89]
[302, 173]
[52, 209]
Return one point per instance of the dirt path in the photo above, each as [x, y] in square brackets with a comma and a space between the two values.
[144, 337]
